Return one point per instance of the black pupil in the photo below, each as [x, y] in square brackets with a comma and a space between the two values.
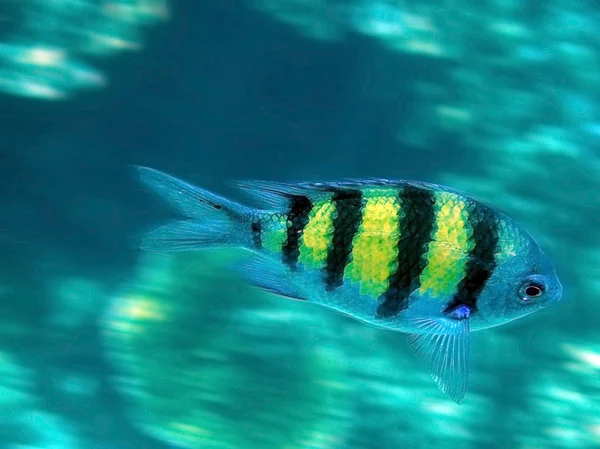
[533, 290]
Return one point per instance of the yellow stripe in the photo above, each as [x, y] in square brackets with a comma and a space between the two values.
[449, 249]
[375, 246]
[274, 233]
[510, 240]
[317, 235]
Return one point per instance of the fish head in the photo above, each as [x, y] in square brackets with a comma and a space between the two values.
[521, 283]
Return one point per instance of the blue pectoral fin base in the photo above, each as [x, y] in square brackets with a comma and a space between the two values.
[444, 347]
[269, 276]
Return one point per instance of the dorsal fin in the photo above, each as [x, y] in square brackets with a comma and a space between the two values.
[277, 195]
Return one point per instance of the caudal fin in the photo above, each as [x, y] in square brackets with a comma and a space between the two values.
[210, 221]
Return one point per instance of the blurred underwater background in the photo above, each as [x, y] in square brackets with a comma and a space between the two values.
[103, 346]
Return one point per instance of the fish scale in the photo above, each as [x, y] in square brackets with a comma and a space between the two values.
[416, 223]
[297, 219]
[347, 218]
[375, 245]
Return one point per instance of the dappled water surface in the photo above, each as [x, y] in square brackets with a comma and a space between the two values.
[105, 346]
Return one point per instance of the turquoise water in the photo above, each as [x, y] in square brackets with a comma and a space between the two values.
[102, 346]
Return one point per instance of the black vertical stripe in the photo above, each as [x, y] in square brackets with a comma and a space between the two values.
[482, 260]
[416, 229]
[346, 222]
[256, 229]
[297, 219]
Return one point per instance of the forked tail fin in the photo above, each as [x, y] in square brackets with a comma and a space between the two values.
[210, 221]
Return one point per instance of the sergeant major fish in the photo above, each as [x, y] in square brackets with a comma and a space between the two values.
[406, 256]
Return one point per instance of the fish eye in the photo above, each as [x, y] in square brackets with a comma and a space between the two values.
[533, 290]
[533, 287]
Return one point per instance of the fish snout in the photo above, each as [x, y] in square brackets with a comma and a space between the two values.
[553, 295]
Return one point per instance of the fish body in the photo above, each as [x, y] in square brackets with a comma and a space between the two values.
[407, 256]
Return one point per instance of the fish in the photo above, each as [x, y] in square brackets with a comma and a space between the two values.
[407, 256]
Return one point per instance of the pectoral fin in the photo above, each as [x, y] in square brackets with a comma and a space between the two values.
[444, 347]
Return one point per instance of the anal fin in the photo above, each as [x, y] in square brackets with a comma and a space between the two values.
[444, 347]
[270, 276]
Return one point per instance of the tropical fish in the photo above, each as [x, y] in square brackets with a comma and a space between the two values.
[412, 257]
